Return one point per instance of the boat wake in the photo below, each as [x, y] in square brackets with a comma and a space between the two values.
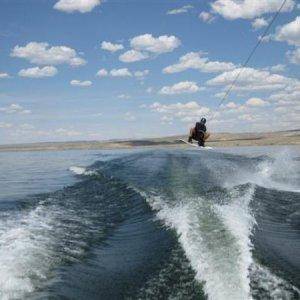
[152, 224]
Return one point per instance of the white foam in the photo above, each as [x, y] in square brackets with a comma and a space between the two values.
[269, 285]
[32, 244]
[216, 240]
[81, 171]
[279, 172]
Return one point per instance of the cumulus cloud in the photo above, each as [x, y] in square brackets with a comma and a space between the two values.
[289, 33]
[124, 72]
[194, 60]
[180, 88]
[252, 79]
[181, 10]
[44, 54]
[133, 56]
[141, 74]
[66, 132]
[259, 23]
[166, 120]
[124, 96]
[5, 125]
[278, 68]
[246, 117]
[4, 75]
[286, 97]
[129, 117]
[85, 83]
[102, 73]
[70, 6]
[36, 72]
[231, 105]
[185, 112]
[206, 17]
[108, 46]
[149, 43]
[14, 109]
[248, 9]
[294, 56]
[256, 102]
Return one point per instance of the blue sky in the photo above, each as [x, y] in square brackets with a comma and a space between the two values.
[165, 64]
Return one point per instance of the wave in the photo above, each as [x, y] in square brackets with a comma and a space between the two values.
[216, 241]
[227, 215]
[211, 203]
[55, 230]
[81, 171]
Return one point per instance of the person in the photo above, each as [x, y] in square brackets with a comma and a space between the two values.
[199, 133]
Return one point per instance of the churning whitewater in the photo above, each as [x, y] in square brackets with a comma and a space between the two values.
[158, 224]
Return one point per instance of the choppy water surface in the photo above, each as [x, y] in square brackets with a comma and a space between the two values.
[150, 224]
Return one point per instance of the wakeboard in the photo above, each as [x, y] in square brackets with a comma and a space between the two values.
[196, 145]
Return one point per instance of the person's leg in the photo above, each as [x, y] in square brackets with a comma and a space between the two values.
[201, 143]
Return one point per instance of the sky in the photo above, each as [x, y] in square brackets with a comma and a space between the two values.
[119, 69]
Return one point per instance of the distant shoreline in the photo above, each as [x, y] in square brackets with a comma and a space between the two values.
[289, 137]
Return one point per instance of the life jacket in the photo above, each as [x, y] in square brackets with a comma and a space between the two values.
[200, 129]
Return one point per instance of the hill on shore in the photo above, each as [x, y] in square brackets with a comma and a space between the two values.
[289, 137]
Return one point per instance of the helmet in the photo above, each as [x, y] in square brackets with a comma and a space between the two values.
[203, 121]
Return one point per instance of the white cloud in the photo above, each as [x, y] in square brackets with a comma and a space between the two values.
[251, 79]
[97, 114]
[102, 73]
[85, 83]
[43, 54]
[259, 23]
[4, 75]
[186, 112]
[124, 72]
[71, 6]
[129, 117]
[181, 10]
[248, 9]
[133, 56]
[206, 17]
[14, 109]
[37, 72]
[66, 132]
[26, 126]
[294, 56]
[5, 125]
[265, 39]
[256, 102]
[180, 88]
[161, 44]
[246, 117]
[124, 96]
[149, 90]
[231, 105]
[166, 120]
[141, 74]
[278, 68]
[286, 98]
[108, 46]
[289, 32]
[194, 60]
